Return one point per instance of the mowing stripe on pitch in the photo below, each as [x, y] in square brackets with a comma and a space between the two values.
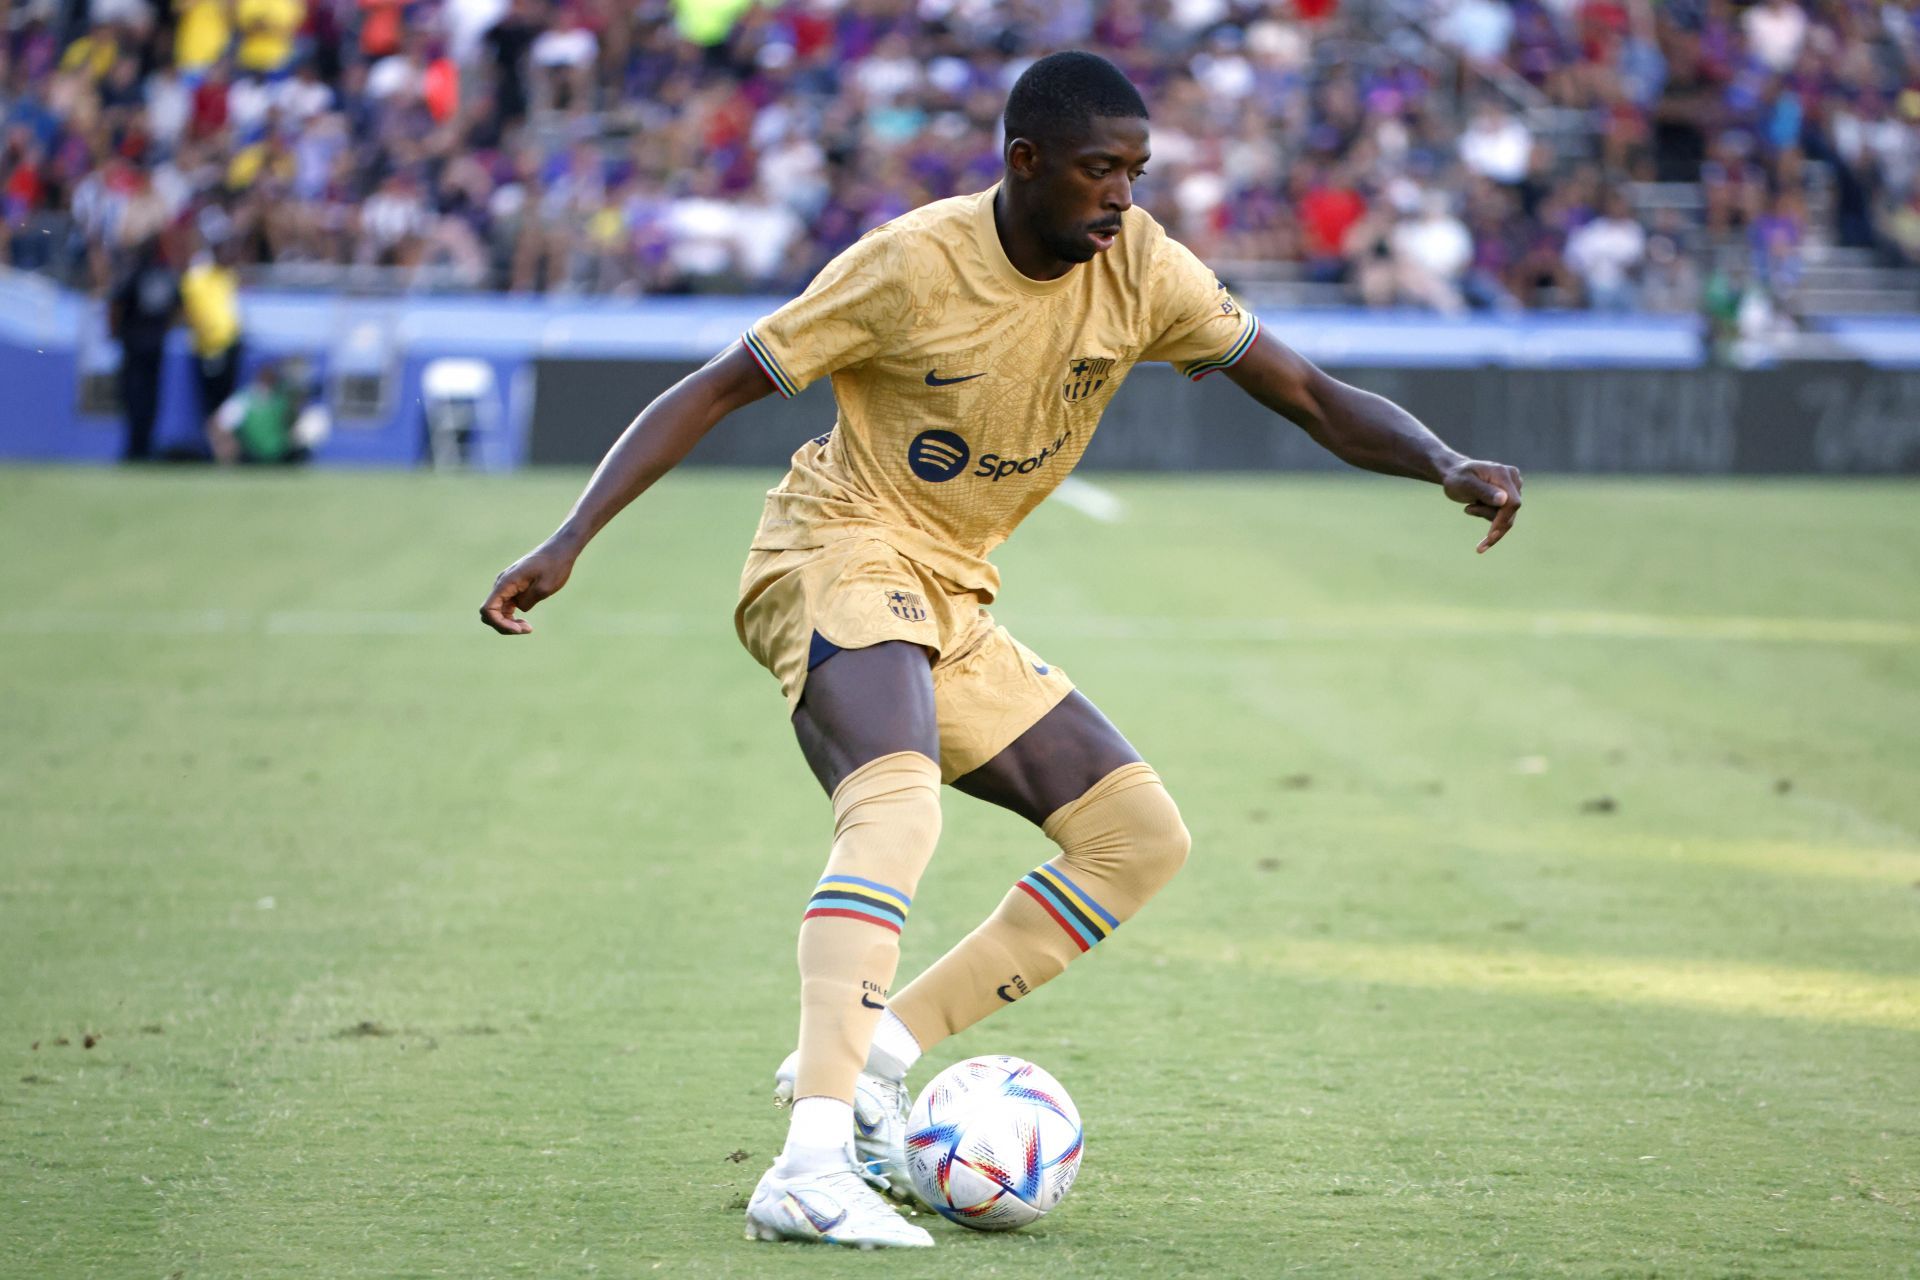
[1377, 625]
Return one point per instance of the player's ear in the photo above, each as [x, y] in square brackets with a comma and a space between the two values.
[1023, 157]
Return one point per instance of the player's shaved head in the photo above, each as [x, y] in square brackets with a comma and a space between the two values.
[1058, 98]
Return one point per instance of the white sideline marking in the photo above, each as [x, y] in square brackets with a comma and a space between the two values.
[1091, 500]
[1380, 625]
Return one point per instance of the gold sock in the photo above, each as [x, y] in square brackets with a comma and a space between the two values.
[886, 820]
[1120, 843]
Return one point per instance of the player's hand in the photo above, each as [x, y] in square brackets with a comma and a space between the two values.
[524, 584]
[1491, 491]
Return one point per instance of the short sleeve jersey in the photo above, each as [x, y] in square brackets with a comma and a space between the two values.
[966, 390]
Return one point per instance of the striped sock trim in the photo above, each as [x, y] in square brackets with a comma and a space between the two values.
[1072, 908]
[852, 898]
[1195, 372]
[769, 366]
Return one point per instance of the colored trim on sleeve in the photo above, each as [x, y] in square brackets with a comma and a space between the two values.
[768, 365]
[1232, 355]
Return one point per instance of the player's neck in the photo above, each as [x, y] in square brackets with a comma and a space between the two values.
[1022, 247]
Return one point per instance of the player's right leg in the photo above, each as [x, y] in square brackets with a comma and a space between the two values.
[867, 726]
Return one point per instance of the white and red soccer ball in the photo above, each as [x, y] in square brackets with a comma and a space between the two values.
[993, 1143]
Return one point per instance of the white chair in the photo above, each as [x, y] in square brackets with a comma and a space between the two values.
[463, 409]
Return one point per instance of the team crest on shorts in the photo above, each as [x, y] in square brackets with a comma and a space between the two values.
[907, 605]
[1086, 375]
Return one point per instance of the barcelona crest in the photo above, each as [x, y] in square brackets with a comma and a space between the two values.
[1086, 375]
[907, 605]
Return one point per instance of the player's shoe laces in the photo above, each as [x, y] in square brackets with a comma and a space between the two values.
[834, 1206]
[880, 1110]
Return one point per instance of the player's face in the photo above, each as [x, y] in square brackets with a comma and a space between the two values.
[1086, 184]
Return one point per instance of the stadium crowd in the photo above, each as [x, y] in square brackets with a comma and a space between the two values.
[1441, 153]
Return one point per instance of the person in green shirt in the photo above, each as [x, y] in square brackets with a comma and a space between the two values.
[268, 420]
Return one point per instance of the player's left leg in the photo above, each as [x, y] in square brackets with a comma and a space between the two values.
[1121, 840]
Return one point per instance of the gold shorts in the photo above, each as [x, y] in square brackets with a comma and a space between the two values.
[988, 688]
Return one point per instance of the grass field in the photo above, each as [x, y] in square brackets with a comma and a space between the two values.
[1555, 912]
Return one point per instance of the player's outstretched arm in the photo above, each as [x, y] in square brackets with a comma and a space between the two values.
[1372, 432]
[649, 448]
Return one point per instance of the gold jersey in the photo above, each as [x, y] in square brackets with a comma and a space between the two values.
[966, 390]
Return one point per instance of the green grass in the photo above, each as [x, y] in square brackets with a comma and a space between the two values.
[414, 951]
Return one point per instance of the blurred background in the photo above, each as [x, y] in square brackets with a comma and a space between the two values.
[482, 232]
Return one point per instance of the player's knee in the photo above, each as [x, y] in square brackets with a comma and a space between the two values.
[1161, 839]
[1125, 832]
[887, 813]
[913, 821]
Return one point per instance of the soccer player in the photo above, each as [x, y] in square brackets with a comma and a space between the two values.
[973, 344]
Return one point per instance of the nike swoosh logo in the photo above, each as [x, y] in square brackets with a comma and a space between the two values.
[935, 380]
[1001, 991]
[868, 1001]
[821, 1222]
[1041, 668]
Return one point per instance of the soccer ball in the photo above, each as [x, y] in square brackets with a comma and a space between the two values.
[993, 1143]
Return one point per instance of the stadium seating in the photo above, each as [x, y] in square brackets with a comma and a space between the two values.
[1450, 154]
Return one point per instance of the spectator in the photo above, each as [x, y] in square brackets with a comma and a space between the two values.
[1607, 254]
[508, 44]
[400, 76]
[468, 22]
[93, 54]
[1538, 274]
[1431, 253]
[303, 97]
[382, 28]
[1498, 243]
[1497, 145]
[267, 29]
[392, 223]
[1776, 31]
[1329, 208]
[565, 53]
[1480, 29]
[169, 106]
[200, 38]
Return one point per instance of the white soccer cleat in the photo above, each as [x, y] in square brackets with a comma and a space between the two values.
[880, 1109]
[836, 1206]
